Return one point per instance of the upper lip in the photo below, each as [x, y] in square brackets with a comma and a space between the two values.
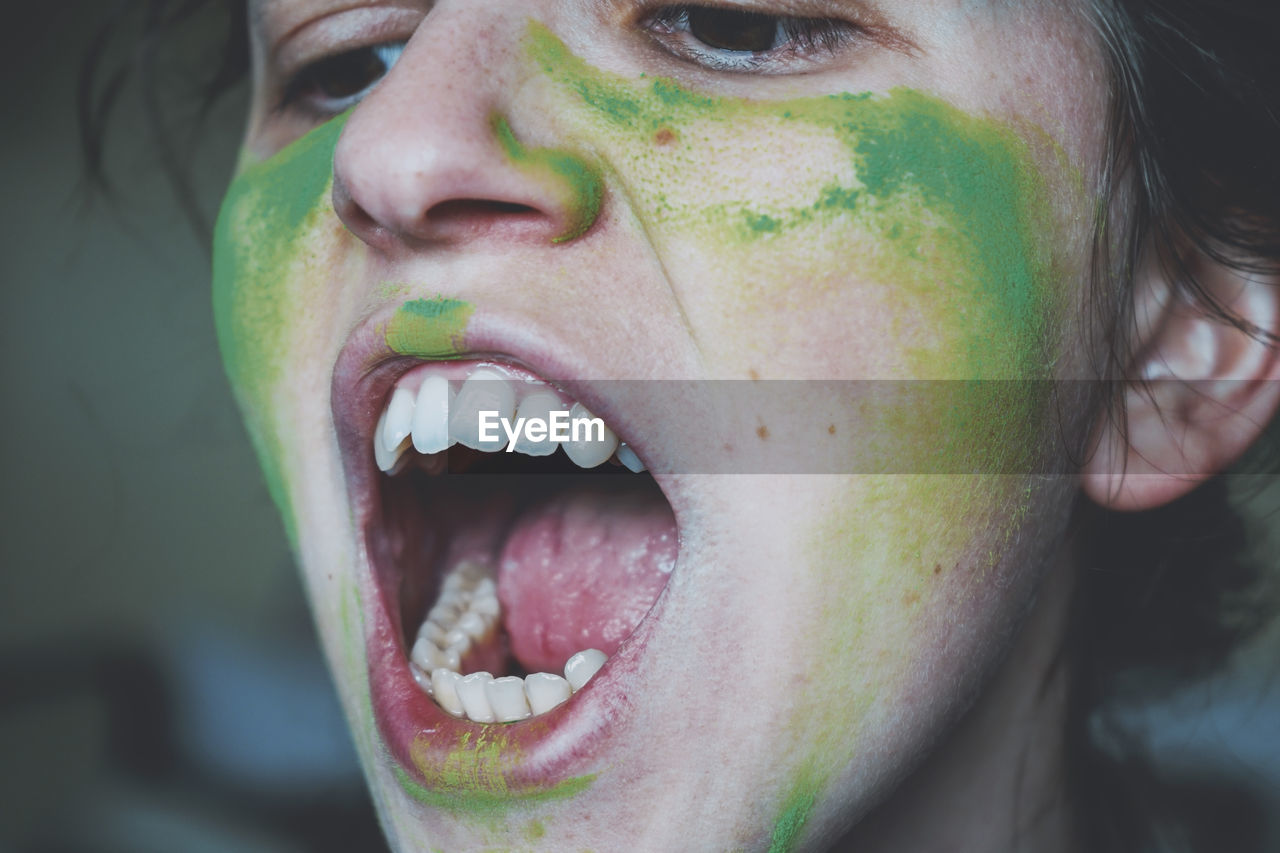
[366, 370]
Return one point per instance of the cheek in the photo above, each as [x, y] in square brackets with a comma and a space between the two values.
[851, 236]
[278, 258]
[888, 237]
[919, 576]
[283, 264]
[911, 236]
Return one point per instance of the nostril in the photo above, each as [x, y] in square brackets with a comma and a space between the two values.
[354, 216]
[358, 220]
[469, 208]
[459, 217]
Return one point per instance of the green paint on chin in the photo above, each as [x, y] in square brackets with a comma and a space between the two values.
[259, 239]
[795, 814]
[472, 780]
[567, 175]
[429, 328]
[487, 804]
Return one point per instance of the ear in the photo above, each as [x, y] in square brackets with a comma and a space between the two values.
[1198, 392]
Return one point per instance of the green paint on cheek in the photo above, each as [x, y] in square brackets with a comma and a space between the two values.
[945, 215]
[762, 223]
[795, 814]
[577, 183]
[472, 779]
[429, 328]
[942, 220]
[946, 206]
[257, 244]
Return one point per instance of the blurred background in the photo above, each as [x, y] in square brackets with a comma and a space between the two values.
[160, 685]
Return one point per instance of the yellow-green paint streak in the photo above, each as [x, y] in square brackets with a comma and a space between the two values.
[472, 779]
[574, 183]
[490, 804]
[258, 241]
[789, 825]
[956, 202]
[950, 211]
[952, 215]
[429, 328]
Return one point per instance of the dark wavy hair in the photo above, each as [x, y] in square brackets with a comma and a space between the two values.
[1164, 596]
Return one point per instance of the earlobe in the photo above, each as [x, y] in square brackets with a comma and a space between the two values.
[1199, 391]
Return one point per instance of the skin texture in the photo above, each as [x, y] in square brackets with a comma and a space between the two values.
[568, 200]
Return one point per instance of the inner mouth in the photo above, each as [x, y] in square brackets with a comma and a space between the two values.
[513, 577]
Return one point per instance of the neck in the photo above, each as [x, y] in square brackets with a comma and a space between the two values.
[997, 781]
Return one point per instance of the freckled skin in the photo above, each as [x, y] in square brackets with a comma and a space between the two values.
[913, 240]
[945, 211]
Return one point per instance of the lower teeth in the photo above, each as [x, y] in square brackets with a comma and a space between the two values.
[466, 613]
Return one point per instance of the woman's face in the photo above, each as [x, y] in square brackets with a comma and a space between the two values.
[814, 578]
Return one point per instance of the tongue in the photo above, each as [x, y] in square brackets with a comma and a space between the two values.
[580, 571]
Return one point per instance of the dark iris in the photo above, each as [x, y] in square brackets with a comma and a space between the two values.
[725, 29]
[344, 75]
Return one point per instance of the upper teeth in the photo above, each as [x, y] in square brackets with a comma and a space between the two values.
[426, 412]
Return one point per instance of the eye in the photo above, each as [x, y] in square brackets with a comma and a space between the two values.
[330, 85]
[739, 40]
[737, 31]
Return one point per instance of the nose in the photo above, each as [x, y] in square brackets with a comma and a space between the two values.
[436, 154]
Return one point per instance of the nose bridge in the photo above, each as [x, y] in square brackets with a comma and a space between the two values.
[462, 58]
[434, 152]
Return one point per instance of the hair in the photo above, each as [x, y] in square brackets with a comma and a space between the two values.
[146, 29]
[1162, 597]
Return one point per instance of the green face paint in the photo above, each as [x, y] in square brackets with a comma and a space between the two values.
[794, 815]
[266, 274]
[575, 184]
[946, 209]
[472, 779]
[259, 258]
[943, 222]
[428, 328]
[947, 214]
[942, 217]
[954, 203]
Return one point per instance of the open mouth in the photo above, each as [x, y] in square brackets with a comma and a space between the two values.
[508, 566]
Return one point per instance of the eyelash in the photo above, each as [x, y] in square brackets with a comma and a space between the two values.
[305, 90]
[790, 39]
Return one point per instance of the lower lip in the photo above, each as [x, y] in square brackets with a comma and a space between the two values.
[460, 765]
[464, 766]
